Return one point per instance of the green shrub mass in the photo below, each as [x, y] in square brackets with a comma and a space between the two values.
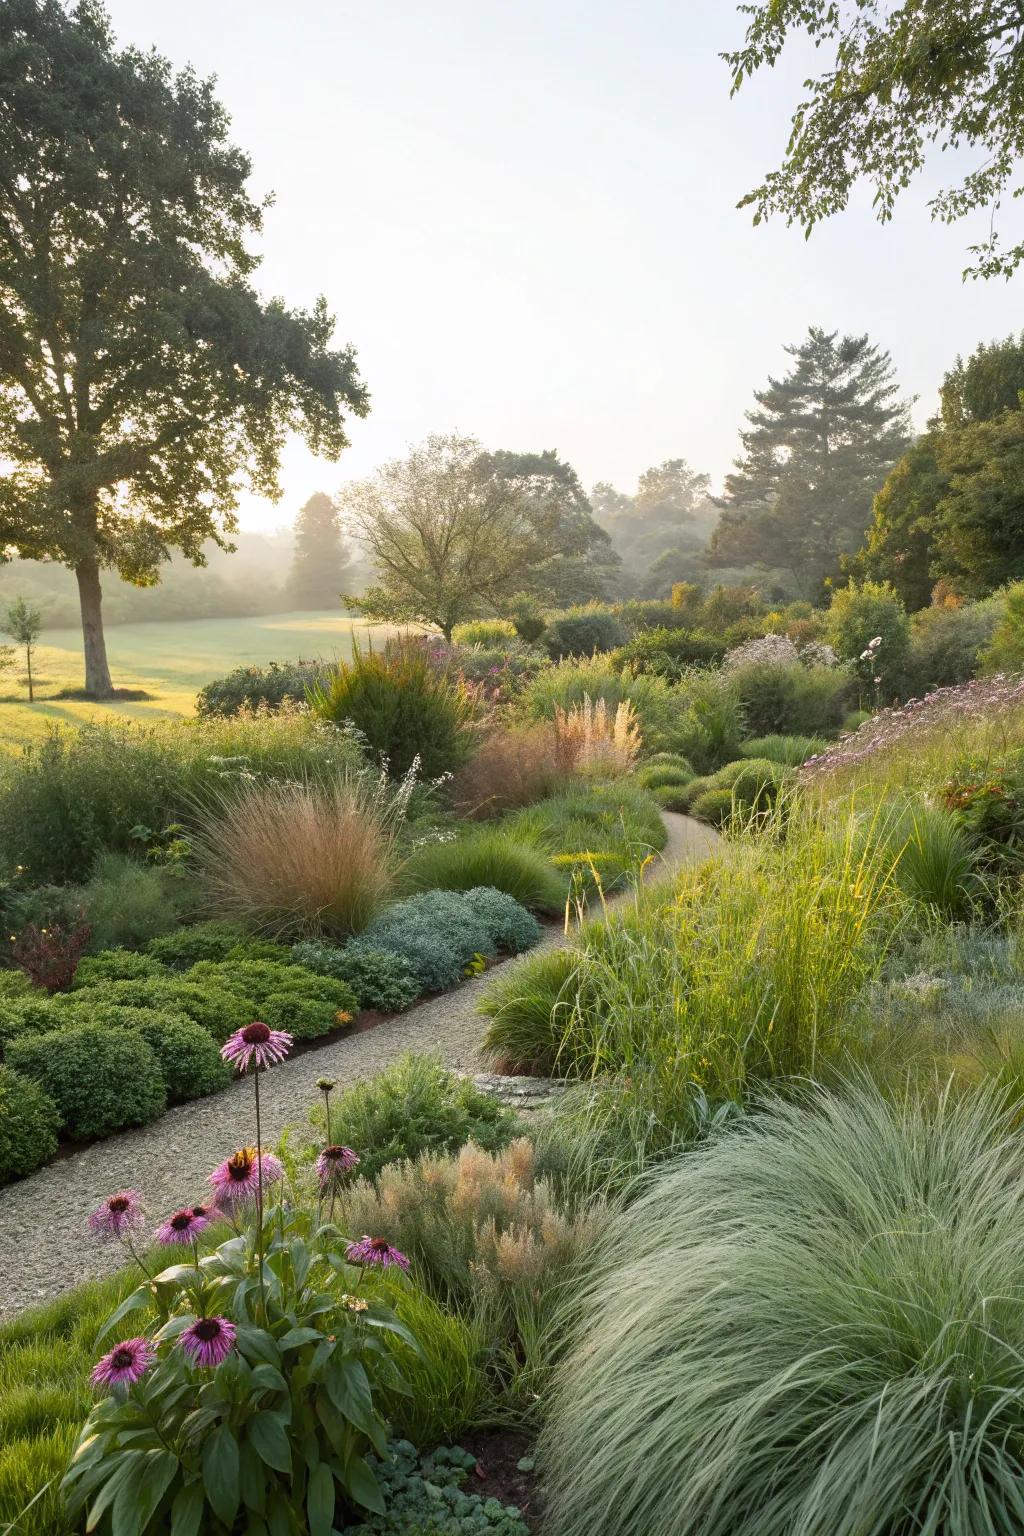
[714, 805]
[211, 1002]
[667, 652]
[797, 700]
[663, 774]
[427, 1496]
[814, 1325]
[29, 1121]
[190, 1062]
[86, 792]
[128, 903]
[28, 1013]
[439, 933]
[583, 631]
[116, 965]
[491, 858]
[404, 708]
[656, 704]
[791, 751]
[101, 1080]
[210, 940]
[252, 687]
[283, 996]
[378, 978]
[416, 1105]
[485, 632]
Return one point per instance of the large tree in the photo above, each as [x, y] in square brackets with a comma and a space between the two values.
[452, 533]
[581, 565]
[818, 446]
[320, 561]
[142, 379]
[902, 77]
[661, 532]
[953, 507]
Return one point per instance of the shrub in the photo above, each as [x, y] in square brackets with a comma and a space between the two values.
[189, 1060]
[210, 940]
[491, 859]
[94, 789]
[714, 806]
[832, 1344]
[486, 632]
[404, 709]
[425, 1494]
[947, 644]
[709, 721]
[31, 1014]
[217, 1004]
[116, 965]
[298, 860]
[583, 632]
[937, 861]
[252, 687]
[49, 956]
[640, 614]
[100, 1079]
[128, 903]
[860, 614]
[1005, 653]
[438, 934]
[660, 775]
[791, 751]
[378, 978]
[790, 699]
[675, 796]
[28, 1125]
[756, 787]
[283, 996]
[415, 1106]
[668, 652]
[511, 768]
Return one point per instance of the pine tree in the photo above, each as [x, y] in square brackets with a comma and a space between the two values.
[818, 446]
[320, 561]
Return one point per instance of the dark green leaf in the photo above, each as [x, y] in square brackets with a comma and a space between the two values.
[220, 1473]
[320, 1501]
[267, 1436]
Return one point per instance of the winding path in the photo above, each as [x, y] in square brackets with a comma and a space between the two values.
[43, 1250]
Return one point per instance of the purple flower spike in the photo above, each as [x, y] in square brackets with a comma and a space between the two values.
[183, 1226]
[333, 1164]
[118, 1216]
[257, 1043]
[238, 1177]
[209, 1340]
[124, 1365]
[375, 1250]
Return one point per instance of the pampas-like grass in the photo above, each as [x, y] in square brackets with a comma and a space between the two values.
[814, 1326]
[596, 739]
[298, 860]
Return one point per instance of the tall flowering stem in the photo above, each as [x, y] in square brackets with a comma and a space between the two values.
[260, 1047]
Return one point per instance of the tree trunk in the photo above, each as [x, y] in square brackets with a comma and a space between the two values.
[97, 671]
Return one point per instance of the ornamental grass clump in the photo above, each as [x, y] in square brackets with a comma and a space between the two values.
[600, 741]
[298, 860]
[812, 1324]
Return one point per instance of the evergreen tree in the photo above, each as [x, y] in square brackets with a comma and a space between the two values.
[320, 562]
[818, 446]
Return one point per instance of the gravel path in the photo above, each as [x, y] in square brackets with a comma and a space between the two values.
[42, 1218]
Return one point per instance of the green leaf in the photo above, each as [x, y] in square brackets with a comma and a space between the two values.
[266, 1433]
[120, 1468]
[257, 1344]
[160, 1470]
[320, 1501]
[363, 1486]
[349, 1391]
[278, 1514]
[140, 1298]
[220, 1473]
[269, 1379]
[187, 1510]
[296, 1337]
[126, 1516]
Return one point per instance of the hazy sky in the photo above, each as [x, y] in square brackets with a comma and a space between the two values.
[523, 215]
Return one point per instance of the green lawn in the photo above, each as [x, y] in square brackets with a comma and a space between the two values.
[171, 661]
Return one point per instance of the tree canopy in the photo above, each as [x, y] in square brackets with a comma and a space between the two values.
[660, 532]
[818, 445]
[455, 532]
[320, 560]
[142, 378]
[902, 77]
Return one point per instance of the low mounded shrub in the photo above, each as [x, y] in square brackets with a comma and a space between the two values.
[116, 965]
[28, 1014]
[667, 652]
[378, 978]
[830, 1342]
[414, 1106]
[29, 1122]
[487, 859]
[794, 700]
[659, 775]
[101, 1080]
[210, 940]
[756, 787]
[582, 632]
[405, 709]
[190, 1063]
[283, 996]
[439, 933]
[253, 687]
[213, 1002]
[676, 797]
[715, 806]
[791, 751]
[486, 632]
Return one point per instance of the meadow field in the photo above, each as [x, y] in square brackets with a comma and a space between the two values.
[171, 661]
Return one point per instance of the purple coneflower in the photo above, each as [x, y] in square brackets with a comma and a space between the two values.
[257, 1043]
[118, 1216]
[333, 1164]
[238, 1177]
[184, 1226]
[124, 1365]
[209, 1340]
[375, 1250]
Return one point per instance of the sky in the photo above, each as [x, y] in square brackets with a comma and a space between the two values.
[524, 219]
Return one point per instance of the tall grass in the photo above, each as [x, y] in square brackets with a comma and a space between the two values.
[596, 739]
[814, 1325]
[488, 857]
[298, 860]
[510, 769]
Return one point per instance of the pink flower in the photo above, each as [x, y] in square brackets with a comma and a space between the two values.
[184, 1226]
[256, 1042]
[124, 1365]
[118, 1216]
[238, 1177]
[209, 1340]
[333, 1164]
[375, 1250]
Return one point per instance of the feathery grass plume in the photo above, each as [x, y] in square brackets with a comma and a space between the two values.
[298, 859]
[598, 740]
[815, 1324]
[510, 769]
